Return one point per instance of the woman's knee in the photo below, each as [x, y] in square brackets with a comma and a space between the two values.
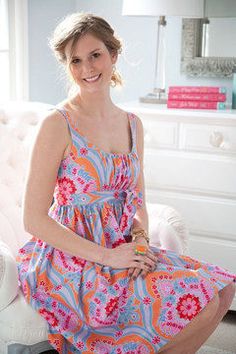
[211, 308]
[226, 295]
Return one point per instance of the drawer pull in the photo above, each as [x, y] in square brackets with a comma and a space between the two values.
[216, 139]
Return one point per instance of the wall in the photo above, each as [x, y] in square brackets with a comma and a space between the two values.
[136, 63]
[46, 79]
[137, 60]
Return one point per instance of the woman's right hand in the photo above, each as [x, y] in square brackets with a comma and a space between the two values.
[124, 256]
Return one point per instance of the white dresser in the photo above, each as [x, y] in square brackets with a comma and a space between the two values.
[190, 164]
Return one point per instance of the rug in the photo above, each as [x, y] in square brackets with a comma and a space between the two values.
[210, 350]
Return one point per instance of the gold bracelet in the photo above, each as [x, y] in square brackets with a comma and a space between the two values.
[138, 232]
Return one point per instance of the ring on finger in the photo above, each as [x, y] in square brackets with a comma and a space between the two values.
[140, 249]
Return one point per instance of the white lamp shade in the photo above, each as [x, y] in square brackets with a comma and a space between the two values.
[184, 8]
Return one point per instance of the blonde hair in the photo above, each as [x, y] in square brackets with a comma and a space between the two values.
[73, 26]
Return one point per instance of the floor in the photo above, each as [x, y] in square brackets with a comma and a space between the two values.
[224, 336]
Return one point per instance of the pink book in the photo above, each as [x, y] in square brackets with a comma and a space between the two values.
[213, 97]
[195, 104]
[197, 89]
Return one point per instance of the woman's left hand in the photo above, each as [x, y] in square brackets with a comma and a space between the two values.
[133, 273]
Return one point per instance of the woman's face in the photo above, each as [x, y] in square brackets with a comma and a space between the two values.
[90, 63]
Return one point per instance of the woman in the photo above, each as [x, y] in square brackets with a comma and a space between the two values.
[88, 269]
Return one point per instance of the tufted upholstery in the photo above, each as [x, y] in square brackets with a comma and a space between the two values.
[18, 126]
[18, 123]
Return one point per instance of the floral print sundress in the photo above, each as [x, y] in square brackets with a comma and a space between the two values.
[92, 308]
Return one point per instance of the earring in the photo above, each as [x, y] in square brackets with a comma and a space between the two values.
[113, 83]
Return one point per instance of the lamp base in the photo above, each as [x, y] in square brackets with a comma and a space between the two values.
[154, 97]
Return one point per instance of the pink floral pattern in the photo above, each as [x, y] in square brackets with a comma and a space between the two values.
[65, 188]
[91, 308]
[188, 306]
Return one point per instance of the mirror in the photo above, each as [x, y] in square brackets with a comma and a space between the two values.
[219, 31]
[207, 50]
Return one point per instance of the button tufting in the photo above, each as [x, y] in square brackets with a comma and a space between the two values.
[19, 203]
[21, 137]
[4, 120]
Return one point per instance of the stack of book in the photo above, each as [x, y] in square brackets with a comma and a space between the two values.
[197, 97]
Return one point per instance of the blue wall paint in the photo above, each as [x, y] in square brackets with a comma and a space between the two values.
[46, 79]
[136, 62]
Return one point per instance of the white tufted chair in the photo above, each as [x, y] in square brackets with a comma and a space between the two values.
[22, 330]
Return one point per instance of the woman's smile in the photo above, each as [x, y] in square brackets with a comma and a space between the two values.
[93, 78]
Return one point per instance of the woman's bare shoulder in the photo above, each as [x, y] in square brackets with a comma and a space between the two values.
[53, 130]
[54, 120]
[122, 111]
[139, 123]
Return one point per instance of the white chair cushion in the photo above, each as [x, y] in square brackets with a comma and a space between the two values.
[8, 271]
[166, 228]
[28, 327]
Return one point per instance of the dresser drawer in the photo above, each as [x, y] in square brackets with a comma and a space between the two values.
[190, 172]
[160, 134]
[209, 138]
[204, 216]
[222, 252]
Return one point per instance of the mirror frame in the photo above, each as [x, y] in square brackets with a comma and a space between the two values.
[195, 66]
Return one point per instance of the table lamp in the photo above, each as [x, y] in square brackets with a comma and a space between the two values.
[161, 8]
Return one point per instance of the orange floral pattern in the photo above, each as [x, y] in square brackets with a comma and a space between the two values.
[91, 308]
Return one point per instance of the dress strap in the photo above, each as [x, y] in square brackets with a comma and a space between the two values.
[77, 140]
[65, 115]
[63, 112]
[133, 125]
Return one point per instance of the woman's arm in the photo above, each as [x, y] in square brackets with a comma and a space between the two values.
[52, 139]
[141, 216]
[140, 220]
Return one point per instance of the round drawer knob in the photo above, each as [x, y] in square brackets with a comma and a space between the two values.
[216, 139]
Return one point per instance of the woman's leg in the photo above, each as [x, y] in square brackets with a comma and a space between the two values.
[191, 338]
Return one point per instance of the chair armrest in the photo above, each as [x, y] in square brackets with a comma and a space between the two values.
[167, 228]
[8, 276]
